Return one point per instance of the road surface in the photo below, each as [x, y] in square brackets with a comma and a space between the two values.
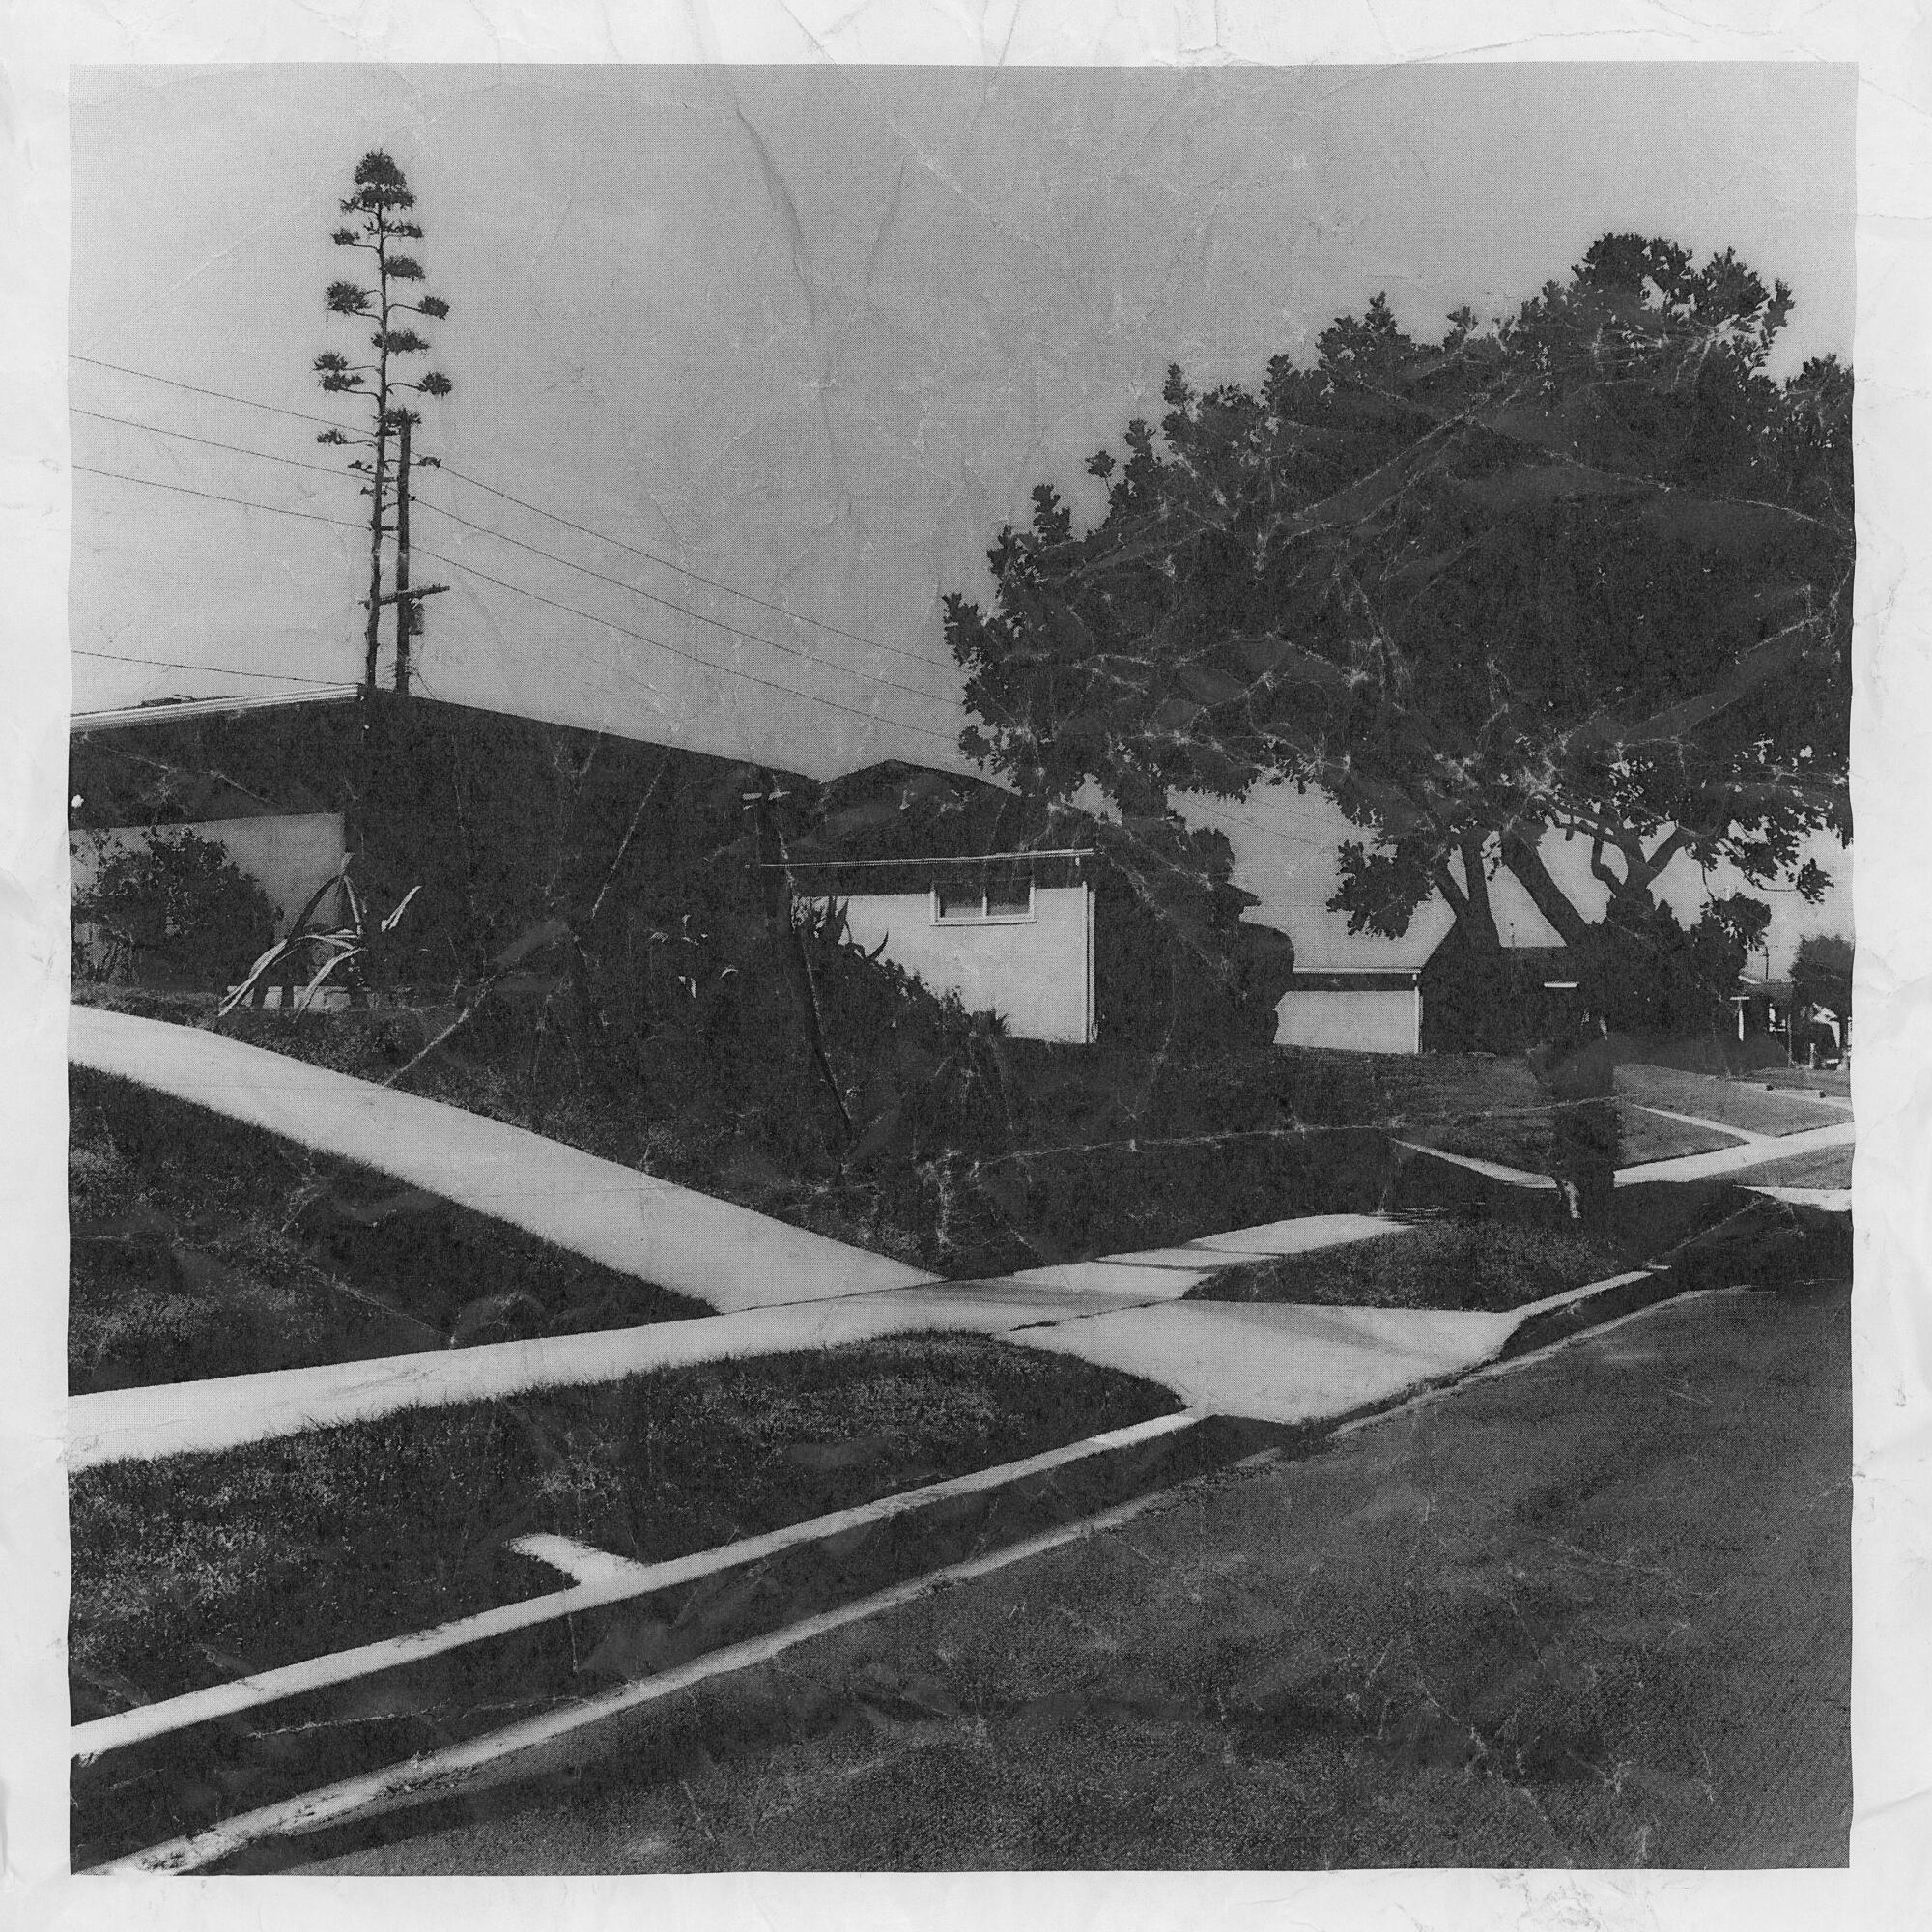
[1594, 1611]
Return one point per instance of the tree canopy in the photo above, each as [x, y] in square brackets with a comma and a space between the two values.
[1585, 569]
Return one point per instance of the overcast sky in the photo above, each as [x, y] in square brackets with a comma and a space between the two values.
[811, 333]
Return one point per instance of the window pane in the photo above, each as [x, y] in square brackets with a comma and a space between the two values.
[1012, 899]
[957, 901]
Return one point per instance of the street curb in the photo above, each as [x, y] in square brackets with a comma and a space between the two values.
[1624, 1295]
[593, 1728]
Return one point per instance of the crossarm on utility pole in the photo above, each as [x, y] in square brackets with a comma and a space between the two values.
[410, 596]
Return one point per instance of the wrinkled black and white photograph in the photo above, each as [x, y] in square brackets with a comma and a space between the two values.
[962, 967]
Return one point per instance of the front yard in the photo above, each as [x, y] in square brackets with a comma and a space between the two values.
[205, 1248]
[1521, 1139]
[1478, 1264]
[195, 1568]
[1092, 1151]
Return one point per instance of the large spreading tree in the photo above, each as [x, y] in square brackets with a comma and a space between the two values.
[1583, 571]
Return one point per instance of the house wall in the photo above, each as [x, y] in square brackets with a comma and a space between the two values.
[1377, 1021]
[1033, 972]
[287, 856]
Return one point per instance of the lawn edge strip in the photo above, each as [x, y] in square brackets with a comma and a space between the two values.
[1492, 1170]
[1508, 1364]
[677, 1237]
[440, 1773]
[446, 1772]
[147, 1423]
[100, 1735]
[1724, 1127]
[1740, 1159]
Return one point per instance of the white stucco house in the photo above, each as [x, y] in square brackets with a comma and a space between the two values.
[1011, 933]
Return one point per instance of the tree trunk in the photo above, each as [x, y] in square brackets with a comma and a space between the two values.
[1480, 919]
[1475, 918]
[1525, 864]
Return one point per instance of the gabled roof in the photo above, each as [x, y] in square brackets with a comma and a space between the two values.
[902, 812]
[899, 810]
[161, 710]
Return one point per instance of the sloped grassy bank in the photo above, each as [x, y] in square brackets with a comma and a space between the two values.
[970, 1154]
[205, 1248]
[195, 1569]
[1488, 1263]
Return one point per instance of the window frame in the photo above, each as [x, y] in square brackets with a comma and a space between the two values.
[985, 916]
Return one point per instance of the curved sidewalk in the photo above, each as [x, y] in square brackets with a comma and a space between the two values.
[723, 1253]
[783, 1289]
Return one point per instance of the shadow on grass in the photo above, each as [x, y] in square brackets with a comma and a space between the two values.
[205, 1248]
[195, 1569]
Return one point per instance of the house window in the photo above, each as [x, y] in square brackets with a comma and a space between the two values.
[975, 904]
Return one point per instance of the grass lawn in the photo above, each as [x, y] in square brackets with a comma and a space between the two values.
[1644, 1136]
[1733, 1103]
[1098, 1150]
[1594, 1614]
[1822, 1167]
[1816, 1081]
[1471, 1265]
[196, 1568]
[205, 1248]
[1519, 1138]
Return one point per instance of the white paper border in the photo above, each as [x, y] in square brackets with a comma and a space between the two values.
[1892, 1870]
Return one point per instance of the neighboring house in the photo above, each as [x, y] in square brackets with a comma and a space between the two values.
[1354, 1010]
[1068, 926]
[1782, 1016]
[285, 835]
[497, 822]
[1011, 933]
[1431, 1003]
[1763, 1007]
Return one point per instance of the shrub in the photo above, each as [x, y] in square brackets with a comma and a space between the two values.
[174, 906]
[1650, 977]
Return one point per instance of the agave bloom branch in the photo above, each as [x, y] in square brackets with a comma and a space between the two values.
[380, 208]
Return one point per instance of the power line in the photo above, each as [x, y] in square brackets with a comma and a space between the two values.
[207, 441]
[485, 530]
[684, 610]
[212, 496]
[537, 509]
[503, 536]
[691, 657]
[685, 570]
[219, 395]
[220, 671]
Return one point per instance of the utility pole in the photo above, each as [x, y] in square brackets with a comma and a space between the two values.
[405, 608]
[377, 207]
[407, 601]
[780, 913]
[371, 632]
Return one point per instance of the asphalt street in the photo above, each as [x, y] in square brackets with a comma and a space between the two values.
[1593, 1611]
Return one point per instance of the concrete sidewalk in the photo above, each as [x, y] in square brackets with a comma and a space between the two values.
[1168, 1274]
[715, 1250]
[781, 1289]
[1442, 1643]
[1759, 1153]
[1752, 1151]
